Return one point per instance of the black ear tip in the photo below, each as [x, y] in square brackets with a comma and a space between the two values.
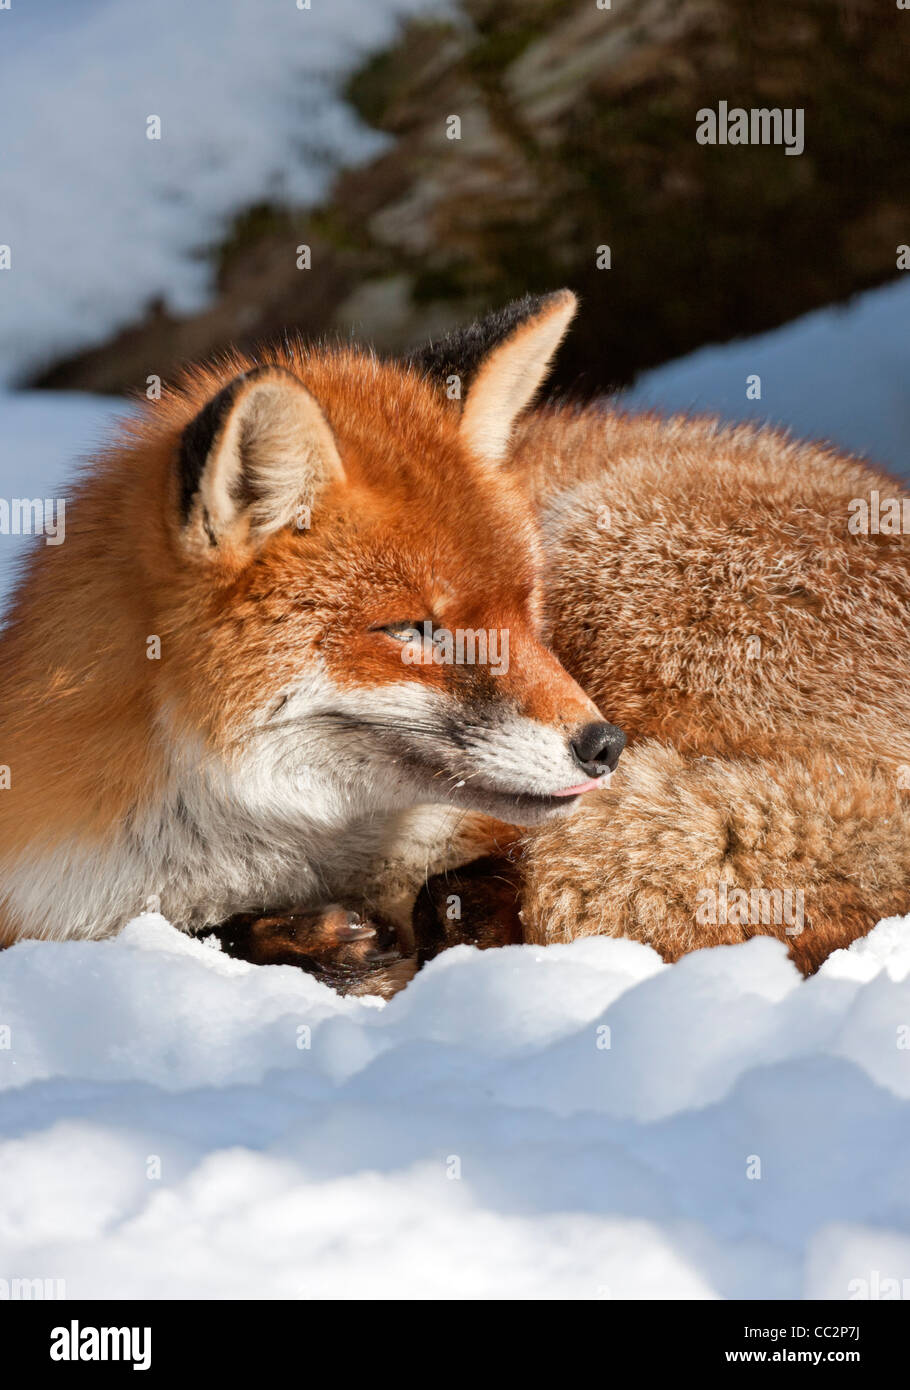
[264, 372]
[461, 352]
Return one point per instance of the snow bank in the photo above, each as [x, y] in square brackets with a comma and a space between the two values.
[43, 435]
[577, 1122]
[840, 374]
[99, 218]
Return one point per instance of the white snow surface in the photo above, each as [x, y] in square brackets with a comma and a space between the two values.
[178, 1124]
[98, 217]
[840, 374]
[44, 436]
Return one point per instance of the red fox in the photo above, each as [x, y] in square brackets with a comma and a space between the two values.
[323, 627]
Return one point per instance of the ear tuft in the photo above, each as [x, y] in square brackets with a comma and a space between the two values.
[463, 351]
[258, 454]
[510, 375]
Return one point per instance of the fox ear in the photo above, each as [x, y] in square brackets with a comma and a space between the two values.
[502, 360]
[254, 459]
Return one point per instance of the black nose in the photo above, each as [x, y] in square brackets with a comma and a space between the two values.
[597, 748]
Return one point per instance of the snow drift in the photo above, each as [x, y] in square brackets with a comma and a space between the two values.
[577, 1122]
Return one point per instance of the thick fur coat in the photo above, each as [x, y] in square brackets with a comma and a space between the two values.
[706, 587]
[203, 700]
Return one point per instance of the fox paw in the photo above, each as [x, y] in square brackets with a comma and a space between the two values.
[476, 905]
[337, 946]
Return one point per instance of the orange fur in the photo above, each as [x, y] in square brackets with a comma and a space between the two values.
[419, 526]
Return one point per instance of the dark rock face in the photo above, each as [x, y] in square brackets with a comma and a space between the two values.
[577, 131]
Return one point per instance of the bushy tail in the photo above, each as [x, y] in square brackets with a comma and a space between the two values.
[683, 852]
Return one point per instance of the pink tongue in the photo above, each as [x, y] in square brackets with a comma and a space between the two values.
[583, 787]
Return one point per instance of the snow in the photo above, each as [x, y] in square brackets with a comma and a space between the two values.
[43, 435]
[840, 374]
[176, 1123]
[99, 218]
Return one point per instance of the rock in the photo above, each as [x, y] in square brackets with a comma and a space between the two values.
[577, 131]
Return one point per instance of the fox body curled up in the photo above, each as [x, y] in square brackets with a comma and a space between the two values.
[293, 531]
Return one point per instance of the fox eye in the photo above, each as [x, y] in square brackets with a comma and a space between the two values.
[405, 632]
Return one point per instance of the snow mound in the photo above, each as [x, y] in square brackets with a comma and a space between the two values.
[580, 1121]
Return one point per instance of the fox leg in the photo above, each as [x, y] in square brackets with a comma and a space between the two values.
[337, 946]
[421, 847]
[402, 924]
[477, 904]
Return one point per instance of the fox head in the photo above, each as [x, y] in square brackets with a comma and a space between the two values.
[353, 600]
